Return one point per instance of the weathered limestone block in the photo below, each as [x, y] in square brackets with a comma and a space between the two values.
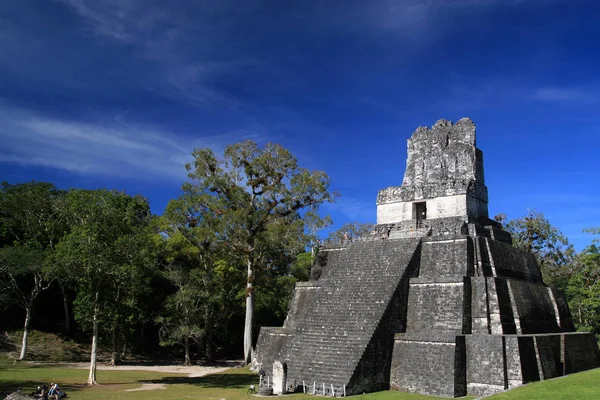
[446, 257]
[269, 346]
[432, 365]
[445, 170]
[279, 377]
[579, 352]
[438, 307]
[485, 364]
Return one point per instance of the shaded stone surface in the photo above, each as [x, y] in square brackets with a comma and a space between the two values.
[434, 300]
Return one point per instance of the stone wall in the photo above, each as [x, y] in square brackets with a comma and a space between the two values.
[304, 293]
[436, 307]
[443, 257]
[485, 364]
[510, 262]
[579, 352]
[429, 364]
[533, 307]
[462, 205]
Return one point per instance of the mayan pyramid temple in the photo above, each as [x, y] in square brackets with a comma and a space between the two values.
[435, 300]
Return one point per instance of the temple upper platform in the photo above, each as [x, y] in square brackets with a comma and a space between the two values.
[444, 177]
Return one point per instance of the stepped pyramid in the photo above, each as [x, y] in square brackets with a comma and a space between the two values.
[435, 300]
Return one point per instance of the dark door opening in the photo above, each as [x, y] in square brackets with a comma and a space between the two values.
[421, 211]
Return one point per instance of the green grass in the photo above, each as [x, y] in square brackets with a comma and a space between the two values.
[233, 384]
[580, 386]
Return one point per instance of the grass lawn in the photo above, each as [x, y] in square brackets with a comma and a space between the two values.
[229, 385]
[233, 385]
[581, 386]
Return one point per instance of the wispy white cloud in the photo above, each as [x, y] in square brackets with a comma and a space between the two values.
[178, 49]
[105, 17]
[187, 42]
[421, 20]
[114, 148]
[567, 95]
[485, 91]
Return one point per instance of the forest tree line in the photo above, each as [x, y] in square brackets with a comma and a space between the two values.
[221, 260]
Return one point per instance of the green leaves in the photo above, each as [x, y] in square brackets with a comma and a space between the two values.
[108, 252]
[584, 289]
[534, 233]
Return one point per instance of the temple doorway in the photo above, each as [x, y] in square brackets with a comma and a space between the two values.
[420, 211]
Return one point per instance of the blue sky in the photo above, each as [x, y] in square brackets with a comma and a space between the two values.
[117, 93]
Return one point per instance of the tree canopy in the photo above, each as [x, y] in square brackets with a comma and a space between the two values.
[258, 202]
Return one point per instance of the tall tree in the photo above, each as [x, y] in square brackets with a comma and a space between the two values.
[180, 320]
[260, 196]
[30, 227]
[104, 253]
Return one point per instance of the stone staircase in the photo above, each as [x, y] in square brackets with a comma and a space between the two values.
[334, 327]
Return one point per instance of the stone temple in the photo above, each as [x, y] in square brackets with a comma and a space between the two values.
[436, 300]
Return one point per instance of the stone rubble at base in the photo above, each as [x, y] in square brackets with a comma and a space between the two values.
[435, 300]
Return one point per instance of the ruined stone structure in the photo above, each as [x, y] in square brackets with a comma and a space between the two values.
[436, 300]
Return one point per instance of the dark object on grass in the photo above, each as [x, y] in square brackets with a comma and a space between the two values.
[265, 391]
[18, 396]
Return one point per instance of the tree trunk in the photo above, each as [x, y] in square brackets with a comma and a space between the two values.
[92, 376]
[26, 331]
[65, 307]
[209, 347]
[202, 347]
[210, 351]
[115, 358]
[187, 351]
[249, 314]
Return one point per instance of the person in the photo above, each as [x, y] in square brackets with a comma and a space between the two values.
[52, 392]
[55, 392]
[42, 392]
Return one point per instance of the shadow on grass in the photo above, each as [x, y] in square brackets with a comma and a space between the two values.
[225, 381]
[152, 362]
[27, 365]
[28, 387]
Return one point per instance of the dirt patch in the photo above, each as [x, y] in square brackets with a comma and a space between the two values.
[148, 386]
[193, 371]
